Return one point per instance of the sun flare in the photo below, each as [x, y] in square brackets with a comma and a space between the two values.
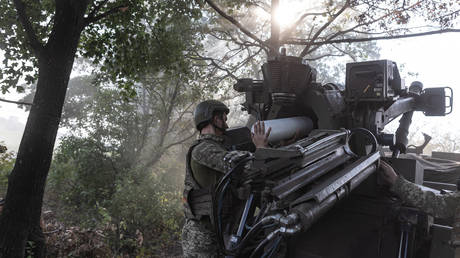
[285, 16]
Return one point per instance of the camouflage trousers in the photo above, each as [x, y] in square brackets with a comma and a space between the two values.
[198, 239]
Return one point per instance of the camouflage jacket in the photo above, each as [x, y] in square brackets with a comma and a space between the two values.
[211, 158]
[206, 164]
[440, 206]
[207, 160]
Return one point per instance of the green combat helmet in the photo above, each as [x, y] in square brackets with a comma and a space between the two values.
[205, 110]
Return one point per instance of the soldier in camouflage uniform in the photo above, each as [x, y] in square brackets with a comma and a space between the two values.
[439, 206]
[205, 166]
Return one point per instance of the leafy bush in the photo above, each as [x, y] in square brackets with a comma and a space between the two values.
[138, 209]
[146, 206]
[7, 160]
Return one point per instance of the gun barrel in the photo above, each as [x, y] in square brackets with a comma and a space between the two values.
[314, 207]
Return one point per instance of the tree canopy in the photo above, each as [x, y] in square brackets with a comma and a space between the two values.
[108, 172]
[126, 40]
[320, 30]
[323, 23]
[111, 30]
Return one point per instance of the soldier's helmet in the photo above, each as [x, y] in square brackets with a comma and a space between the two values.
[205, 110]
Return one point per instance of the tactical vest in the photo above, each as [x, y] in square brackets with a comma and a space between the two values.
[197, 200]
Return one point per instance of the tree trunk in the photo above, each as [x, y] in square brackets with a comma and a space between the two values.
[20, 220]
[275, 31]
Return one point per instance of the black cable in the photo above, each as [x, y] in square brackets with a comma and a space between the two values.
[217, 215]
[220, 191]
[261, 244]
[369, 134]
[248, 236]
[217, 204]
[229, 173]
[274, 247]
[269, 225]
[255, 229]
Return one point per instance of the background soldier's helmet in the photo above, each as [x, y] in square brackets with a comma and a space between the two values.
[205, 110]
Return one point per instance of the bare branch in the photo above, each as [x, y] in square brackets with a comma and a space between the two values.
[181, 115]
[96, 9]
[233, 39]
[287, 33]
[322, 56]
[307, 48]
[352, 40]
[451, 13]
[180, 141]
[16, 102]
[120, 8]
[345, 52]
[371, 21]
[264, 6]
[311, 31]
[248, 59]
[237, 24]
[215, 64]
[34, 42]
[229, 73]
[52, 231]
[353, 29]
[152, 89]
[397, 30]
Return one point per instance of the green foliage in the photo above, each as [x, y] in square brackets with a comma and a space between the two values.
[30, 246]
[7, 160]
[18, 60]
[134, 42]
[148, 205]
[85, 189]
[136, 38]
[159, 32]
[82, 178]
[111, 173]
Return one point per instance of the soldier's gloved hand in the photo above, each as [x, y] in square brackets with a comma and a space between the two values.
[232, 158]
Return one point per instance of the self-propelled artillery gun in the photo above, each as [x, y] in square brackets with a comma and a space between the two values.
[318, 195]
